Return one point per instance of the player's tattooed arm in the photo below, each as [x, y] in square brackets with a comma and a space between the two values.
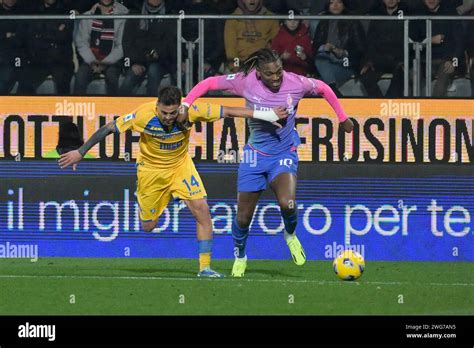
[74, 157]
[97, 137]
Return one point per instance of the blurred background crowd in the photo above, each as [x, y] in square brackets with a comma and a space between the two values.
[137, 56]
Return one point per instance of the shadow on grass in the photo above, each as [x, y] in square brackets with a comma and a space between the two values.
[271, 273]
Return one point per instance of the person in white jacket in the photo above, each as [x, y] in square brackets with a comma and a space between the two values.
[99, 45]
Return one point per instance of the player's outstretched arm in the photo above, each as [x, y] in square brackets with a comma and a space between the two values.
[204, 86]
[75, 156]
[327, 93]
[269, 115]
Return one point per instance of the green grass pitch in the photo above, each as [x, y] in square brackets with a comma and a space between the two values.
[69, 286]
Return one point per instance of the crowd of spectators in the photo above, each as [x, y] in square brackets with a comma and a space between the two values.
[127, 52]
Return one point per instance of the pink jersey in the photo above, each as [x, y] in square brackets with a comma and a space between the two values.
[264, 136]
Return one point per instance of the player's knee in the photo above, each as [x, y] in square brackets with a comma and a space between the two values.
[149, 226]
[244, 220]
[201, 211]
[287, 206]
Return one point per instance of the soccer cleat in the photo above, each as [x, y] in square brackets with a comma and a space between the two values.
[209, 273]
[240, 264]
[297, 251]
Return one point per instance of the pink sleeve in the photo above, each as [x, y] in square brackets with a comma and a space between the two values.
[232, 83]
[314, 86]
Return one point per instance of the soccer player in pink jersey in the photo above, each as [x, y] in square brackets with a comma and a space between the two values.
[265, 85]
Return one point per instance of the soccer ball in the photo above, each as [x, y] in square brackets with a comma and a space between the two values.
[349, 265]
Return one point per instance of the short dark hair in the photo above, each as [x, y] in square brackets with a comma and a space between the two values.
[169, 95]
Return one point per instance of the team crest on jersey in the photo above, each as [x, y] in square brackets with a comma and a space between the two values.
[230, 76]
[128, 118]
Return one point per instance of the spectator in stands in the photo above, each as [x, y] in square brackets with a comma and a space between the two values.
[385, 51]
[243, 37]
[150, 46]
[339, 45]
[293, 43]
[12, 47]
[447, 43]
[99, 44]
[49, 50]
[214, 53]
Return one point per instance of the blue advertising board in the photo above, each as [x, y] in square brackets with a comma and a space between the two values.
[386, 212]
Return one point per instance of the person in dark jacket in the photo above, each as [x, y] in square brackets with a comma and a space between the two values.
[447, 43]
[99, 47]
[385, 51]
[338, 45]
[49, 50]
[12, 47]
[150, 47]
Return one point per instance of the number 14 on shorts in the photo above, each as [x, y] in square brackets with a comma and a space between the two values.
[193, 182]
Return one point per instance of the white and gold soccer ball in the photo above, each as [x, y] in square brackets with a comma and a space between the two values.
[349, 265]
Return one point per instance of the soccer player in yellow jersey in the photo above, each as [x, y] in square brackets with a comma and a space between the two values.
[165, 169]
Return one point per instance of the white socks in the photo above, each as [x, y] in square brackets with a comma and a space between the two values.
[288, 236]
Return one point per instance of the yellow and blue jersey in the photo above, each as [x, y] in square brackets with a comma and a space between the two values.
[160, 148]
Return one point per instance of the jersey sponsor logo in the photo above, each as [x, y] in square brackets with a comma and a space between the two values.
[159, 133]
[171, 146]
[231, 76]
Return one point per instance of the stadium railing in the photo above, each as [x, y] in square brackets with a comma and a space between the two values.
[417, 46]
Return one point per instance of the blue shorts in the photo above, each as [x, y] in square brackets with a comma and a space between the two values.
[257, 170]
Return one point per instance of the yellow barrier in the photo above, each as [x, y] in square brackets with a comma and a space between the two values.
[409, 130]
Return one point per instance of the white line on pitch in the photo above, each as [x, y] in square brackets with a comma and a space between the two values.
[319, 282]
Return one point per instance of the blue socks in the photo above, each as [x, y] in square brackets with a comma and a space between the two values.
[240, 234]
[205, 246]
[290, 221]
[240, 239]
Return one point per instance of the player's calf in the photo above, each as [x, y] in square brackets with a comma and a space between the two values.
[149, 226]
